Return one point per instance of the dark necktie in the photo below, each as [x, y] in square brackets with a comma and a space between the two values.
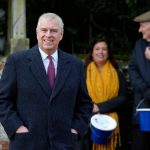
[51, 72]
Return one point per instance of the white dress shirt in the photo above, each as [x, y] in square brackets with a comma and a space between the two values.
[46, 60]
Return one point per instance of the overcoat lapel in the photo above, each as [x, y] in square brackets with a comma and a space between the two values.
[64, 67]
[38, 70]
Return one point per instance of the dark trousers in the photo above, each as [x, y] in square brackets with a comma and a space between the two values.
[140, 140]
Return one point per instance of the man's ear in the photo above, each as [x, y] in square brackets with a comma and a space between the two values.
[61, 36]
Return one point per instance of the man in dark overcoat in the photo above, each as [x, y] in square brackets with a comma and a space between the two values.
[139, 70]
[44, 104]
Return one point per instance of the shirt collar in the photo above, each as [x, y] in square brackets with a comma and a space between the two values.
[44, 55]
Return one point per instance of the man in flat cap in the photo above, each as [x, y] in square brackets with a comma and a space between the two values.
[139, 71]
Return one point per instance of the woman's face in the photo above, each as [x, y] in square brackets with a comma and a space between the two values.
[100, 53]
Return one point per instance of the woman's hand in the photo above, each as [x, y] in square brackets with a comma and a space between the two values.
[95, 109]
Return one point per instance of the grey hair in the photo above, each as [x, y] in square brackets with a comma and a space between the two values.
[51, 16]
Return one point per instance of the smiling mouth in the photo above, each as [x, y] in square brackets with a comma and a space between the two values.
[48, 41]
[100, 55]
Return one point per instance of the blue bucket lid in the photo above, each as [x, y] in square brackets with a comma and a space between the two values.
[103, 122]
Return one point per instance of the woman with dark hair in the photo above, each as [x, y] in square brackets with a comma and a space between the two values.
[106, 86]
[89, 57]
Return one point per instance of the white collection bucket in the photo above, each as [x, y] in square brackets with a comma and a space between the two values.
[101, 128]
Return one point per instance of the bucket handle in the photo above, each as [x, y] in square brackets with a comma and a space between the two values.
[141, 101]
[138, 105]
[96, 134]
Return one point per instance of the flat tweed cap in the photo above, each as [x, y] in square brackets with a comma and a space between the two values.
[145, 17]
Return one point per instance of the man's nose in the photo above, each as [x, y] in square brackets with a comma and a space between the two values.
[49, 32]
[140, 29]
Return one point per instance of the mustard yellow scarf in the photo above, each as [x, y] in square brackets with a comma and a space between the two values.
[102, 87]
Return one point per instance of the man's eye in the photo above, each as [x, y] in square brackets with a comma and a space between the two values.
[54, 30]
[43, 30]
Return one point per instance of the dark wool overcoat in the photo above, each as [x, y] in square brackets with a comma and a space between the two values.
[139, 71]
[27, 99]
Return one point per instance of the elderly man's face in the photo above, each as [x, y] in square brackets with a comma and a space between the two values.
[145, 30]
[49, 35]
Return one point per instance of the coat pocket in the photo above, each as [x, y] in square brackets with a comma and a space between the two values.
[22, 141]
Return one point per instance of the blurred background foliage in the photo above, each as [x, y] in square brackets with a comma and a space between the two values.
[3, 22]
[84, 21]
